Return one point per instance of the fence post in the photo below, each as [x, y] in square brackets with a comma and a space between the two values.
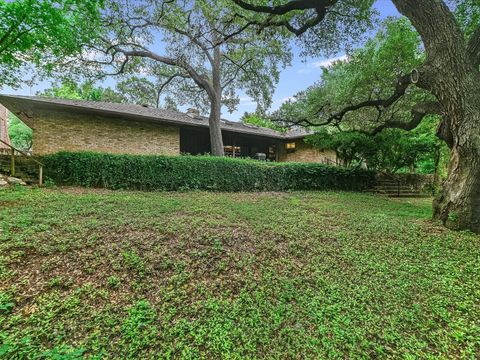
[12, 163]
[40, 175]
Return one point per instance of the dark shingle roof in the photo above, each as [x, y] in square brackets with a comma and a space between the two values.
[142, 113]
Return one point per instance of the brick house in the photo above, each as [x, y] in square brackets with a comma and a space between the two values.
[78, 125]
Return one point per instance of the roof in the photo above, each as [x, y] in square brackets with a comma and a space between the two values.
[141, 113]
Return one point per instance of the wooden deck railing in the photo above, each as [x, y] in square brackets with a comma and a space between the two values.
[13, 153]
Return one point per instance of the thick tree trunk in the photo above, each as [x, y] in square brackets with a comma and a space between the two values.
[454, 79]
[458, 203]
[216, 141]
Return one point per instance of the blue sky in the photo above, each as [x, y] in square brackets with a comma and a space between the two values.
[301, 74]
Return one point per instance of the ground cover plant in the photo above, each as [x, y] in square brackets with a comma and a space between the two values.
[99, 274]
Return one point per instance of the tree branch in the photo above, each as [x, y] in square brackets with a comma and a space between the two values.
[235, 33]
[286, 8]
[307, 25]
[400, 88]
[320, 7]
[196, 41]
[240, 67]
[13, 27]
[419, 111]
[165, 84]
[200, 80]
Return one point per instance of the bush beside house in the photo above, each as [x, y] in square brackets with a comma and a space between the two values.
[138, 172]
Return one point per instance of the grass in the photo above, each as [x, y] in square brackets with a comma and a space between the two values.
[99, 274]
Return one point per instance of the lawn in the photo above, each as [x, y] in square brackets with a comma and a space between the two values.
[101, 274]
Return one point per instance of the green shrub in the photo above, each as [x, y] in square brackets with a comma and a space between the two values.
[173, 173]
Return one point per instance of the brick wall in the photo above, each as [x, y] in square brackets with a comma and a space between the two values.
[306, 153]
[55, 131]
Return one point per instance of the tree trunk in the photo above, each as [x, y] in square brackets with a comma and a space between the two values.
[458, 203]
[216, 141]
[454, 79]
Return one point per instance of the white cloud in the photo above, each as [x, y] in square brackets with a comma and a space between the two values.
[328, 62]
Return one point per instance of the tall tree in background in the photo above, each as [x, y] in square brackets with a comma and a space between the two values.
[449, 72]
[69, 89]
[143, 91]
[394, 50]
[202, 49]
[38, 31]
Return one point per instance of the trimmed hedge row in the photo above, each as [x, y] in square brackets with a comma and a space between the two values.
[173, 173]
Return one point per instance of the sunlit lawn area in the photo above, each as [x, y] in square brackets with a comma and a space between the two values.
[206, 275]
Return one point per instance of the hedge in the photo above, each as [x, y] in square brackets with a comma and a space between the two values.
[174, 173]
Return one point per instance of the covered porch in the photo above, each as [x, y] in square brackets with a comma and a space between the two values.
[196, 141]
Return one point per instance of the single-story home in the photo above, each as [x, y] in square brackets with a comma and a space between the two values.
[79, 125]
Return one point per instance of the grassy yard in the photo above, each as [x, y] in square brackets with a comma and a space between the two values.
[205, 275]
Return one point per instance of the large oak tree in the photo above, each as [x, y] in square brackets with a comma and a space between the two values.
[449, 72]
[203, 50]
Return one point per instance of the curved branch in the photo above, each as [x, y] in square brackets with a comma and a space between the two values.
[200, 80]
[165, 84]
[307, 25]
[320, 7]
[419, 111]
[286, 8]
[400, 88]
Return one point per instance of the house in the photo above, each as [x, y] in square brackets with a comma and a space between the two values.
[78, 125]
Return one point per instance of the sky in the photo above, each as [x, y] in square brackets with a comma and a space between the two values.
[301, 74]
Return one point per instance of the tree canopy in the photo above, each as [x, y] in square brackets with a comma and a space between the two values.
[70, 89]
[201, 53]
[38, 31]
[367, 76]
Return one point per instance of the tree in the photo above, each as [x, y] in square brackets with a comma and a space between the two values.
[392, 150]
[211, 52]
[449, 72]
[37, 31]
[142, 91]
[69, 89]
[20, 134]
[262, 121]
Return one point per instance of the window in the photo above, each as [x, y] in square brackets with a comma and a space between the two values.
[232, 151]
[290, 147]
